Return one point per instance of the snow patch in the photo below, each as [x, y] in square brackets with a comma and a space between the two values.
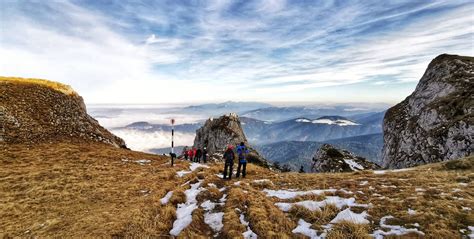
[143, 161]
[291, 193]
[394, 229]
[166, 198]
[185, 210]
[208, 205]
[348, 215]
[336, 122]
[214, 220]
[392, 171]
[192, 167]
[249, 234]
[303, 120]
[317, 205]
[354, 165]
[305, 229]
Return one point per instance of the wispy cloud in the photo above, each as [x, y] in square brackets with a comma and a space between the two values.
[151, 52]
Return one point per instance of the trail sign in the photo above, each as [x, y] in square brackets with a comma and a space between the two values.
[172, 154]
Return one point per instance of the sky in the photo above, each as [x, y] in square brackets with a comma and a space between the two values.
[157, 52]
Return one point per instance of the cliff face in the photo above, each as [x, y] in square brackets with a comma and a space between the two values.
[33, 111]
[329, 159]
[217, 134]
[435, 123]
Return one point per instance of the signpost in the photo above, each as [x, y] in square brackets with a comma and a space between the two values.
[172, 154]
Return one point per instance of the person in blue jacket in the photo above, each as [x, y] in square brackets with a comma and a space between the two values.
[242, 152]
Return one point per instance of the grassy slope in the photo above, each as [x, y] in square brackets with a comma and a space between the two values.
[91, 190]
[66, 89]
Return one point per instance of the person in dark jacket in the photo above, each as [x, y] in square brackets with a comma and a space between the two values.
[198, 155]
[185, 152]
[301, 169]
[229, 161]
[194, 154]
[242, 152]
[204, 155]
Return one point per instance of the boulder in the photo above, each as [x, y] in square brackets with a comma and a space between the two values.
[329, 159]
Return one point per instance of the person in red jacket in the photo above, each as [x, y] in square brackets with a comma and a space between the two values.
[191, 154]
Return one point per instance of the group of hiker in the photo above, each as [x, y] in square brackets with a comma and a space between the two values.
[229, 157]
[195, 155]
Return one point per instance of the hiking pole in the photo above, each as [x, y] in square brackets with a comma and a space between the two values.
[172, 154]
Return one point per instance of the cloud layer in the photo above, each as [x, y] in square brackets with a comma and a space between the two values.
[196, 51]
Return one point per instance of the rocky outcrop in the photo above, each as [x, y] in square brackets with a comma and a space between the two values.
[329, 159]
[217, 134]
[435, 123]
[34, 111]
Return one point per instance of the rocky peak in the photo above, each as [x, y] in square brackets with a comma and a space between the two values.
[331, 159]
[34, 111]
[217, 134]
[435, 123]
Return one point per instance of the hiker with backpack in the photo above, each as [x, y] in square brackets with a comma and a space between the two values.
[229, 161]
[242, 152]
[198, 155]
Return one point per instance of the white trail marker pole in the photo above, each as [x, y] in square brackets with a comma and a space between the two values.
[172, 154]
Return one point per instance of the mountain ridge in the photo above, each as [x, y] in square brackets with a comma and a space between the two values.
[34, 110]
[435, 123]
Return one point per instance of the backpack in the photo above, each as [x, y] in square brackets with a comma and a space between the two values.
[242, 151]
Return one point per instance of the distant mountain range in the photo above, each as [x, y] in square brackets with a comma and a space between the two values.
[299, 129]
[277, 114]
[300, 153]
[290, 135]
[145, 126]
[218, 109]
[306, 129]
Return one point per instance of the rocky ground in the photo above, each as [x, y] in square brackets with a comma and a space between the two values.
[96, 190]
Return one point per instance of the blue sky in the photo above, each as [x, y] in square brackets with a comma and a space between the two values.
[211, 51]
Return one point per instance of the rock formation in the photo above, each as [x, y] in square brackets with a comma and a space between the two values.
[217, 134]
[330, 159]
[435, 123]
[35, 111]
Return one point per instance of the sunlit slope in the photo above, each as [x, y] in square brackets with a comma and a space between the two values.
[96, 190]
[66, 89]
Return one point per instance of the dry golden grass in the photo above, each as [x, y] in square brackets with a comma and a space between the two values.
[70, 190]
[95, 190]
[347, 230]
[66, 89]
